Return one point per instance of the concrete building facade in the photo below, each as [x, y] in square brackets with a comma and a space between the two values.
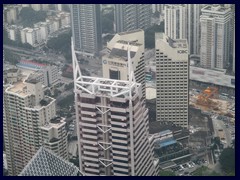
[172, 69]
[115, 62]
[175, 21]
[87, 28]
[215, 36]
[132, 16]
[25, 110]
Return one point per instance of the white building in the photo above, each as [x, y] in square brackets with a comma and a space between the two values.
[31, 36]
[115, 62]
[54, 137]
[48, 76]
[112, 121]
[11, 13]
[172, 79]
[25, 110]
[12, 34]
[175, 21]
[43, 30]
[215, 36]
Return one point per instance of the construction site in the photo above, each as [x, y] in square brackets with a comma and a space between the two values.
[209, 102]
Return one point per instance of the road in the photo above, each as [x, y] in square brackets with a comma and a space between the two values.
[219, 124]
[52, 57]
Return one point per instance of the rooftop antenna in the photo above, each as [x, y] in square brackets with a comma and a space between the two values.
[130, 68]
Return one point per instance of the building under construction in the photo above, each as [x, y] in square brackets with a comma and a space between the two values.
[205, 97]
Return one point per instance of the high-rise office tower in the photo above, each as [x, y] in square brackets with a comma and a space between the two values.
[115, 62]
[175, 21]
[25, 111]
[172, 68]
[215, 36]
[193, 28]
[113, 130]
[132, 16]
[87, 28]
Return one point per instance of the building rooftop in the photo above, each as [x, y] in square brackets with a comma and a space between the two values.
[174, 43]
[130, 32]
[18, 88]
[121, 53]
[56, 122]
[46, 163]
[157, 127]
[216, 9]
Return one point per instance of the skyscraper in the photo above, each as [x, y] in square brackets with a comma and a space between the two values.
[193, 28]
[132, 16]
[175, 21]
[172, 68]
[25, 111]
[87, 28]
[115, 62]
[215, 36]
[112, 123]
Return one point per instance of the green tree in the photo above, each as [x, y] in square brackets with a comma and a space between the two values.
[29, 17]
[62, 44]
[10, 57]
[227, 160]
[167, 173]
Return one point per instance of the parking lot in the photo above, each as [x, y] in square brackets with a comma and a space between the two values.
[186, 169]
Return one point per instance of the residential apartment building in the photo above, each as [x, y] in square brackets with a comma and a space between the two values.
[25, 111]
[175, 21]
[47, 75]
[215, 36]
[112, 121]
[132, 16]
[54, 137]
[31, 36]
[172, 66]
[10, 13]
[115, 62]
[87, 28]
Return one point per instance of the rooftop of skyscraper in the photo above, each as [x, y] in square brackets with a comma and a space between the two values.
[108, 87]
[216, 9]
[174, 43]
